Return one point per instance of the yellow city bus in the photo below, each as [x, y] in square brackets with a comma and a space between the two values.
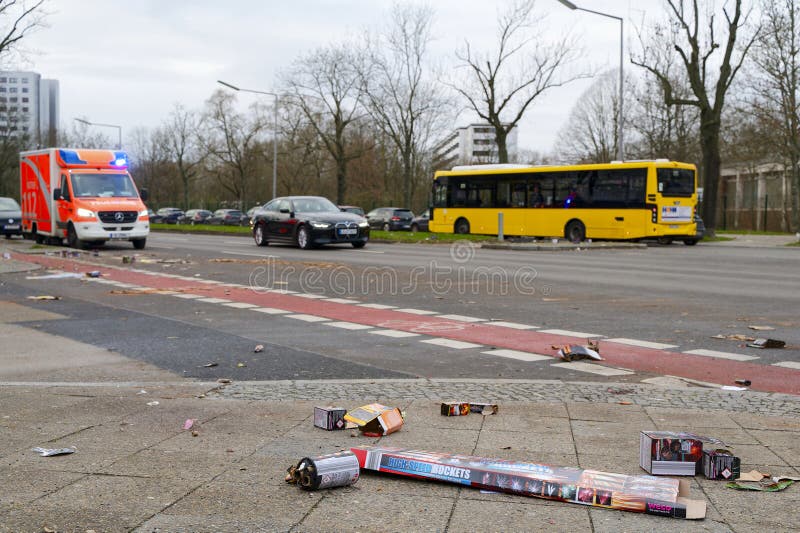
[618, 200]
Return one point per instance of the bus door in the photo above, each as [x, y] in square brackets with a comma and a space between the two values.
[511, 200]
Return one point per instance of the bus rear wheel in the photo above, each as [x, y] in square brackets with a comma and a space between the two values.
[575, 231]
[461, 226]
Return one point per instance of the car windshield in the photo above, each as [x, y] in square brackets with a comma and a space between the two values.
[314, 205]
[103, 186]
[8, 204]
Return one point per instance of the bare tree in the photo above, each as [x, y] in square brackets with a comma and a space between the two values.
[403, 99]
[776, 94]
[180, 134]
[500, 86]
[694, 39]
[590, 135]
[150, 165]
[326, 86]
[231, 142]
[18, 18]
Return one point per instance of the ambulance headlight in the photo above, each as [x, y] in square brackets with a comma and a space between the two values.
[84, 213]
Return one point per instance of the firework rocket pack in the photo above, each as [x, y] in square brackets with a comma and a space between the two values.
[682, 454]
[643, 494]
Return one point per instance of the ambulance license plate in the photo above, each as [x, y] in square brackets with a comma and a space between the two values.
[12, 226]
[674, 226]
[118, 236]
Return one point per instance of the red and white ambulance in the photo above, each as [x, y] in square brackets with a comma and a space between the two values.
[84, 196]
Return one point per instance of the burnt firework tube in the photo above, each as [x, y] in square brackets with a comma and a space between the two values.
[325, 472]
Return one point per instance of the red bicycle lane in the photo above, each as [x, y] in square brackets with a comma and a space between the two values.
[763, 377]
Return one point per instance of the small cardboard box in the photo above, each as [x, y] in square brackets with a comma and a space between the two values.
[376, 419]
[721, 464]
[330, 418]
[643, 494]
[670, 453]
[484, 408]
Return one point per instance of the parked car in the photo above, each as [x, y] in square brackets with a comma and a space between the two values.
[390, 218]
[194, 216]
[308, 222]
[352, 209]
[420, 223]
[10, 217]
[247, 220]
[226, 217]
[169, 215]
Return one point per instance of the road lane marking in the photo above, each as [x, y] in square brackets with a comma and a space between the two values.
[209, 281]
[394, 333]
[568, 333]
[311, 296]
[348, 325]
[722, 355]
[512, 325]
[341, 301]
[450, 343]
[271, 310]
[240, 305]
[593, 369]
[788, 364]
[521, 356]
[415, 311]
[188, 296]
[308, 318]
[378, 306]
[250, 254]
[643, 344]
[461, 318]
[214, 300]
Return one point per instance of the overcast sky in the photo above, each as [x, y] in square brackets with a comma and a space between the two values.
[127, 62]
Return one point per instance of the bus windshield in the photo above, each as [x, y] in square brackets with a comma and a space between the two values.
[103, 186]
[675, 182]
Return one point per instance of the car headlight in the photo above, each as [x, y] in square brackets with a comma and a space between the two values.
[143, 213]
[85, 213]
[320, 225]
[363, 224]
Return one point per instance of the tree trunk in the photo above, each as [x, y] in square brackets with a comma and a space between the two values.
[794, 190]
[502, 149]
[341, 180]
[709, 145]
[408, 172]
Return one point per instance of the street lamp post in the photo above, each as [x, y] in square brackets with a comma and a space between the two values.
[119, 129]
[275, 130]
[621, 116]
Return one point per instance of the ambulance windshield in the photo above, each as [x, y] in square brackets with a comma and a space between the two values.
[103, 186]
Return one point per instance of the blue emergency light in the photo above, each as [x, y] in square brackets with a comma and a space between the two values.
[70, 157]
[120, 159]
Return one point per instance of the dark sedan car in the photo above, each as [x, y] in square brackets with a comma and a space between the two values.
[421, 222]
[390, 218]
[308, 222]
[169, 215]
[194, 216]
[226, 217]
[10, 218]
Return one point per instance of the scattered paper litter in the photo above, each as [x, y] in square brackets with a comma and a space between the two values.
[188, 424]
[761, 328]
[49, 452]
[258, 348]
[153, 403]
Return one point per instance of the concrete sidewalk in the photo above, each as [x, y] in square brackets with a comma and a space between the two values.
[137, 469]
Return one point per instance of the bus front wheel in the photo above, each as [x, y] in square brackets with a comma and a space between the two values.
[462, 226]
[575, 231]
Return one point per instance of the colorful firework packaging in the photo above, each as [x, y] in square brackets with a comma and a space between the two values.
[672, 453]
[721, 464]
[330, 418]
[375, 420]
[325, 472]
[643, 494]
[465, 408]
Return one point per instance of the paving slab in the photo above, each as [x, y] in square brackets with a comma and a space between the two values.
[534, 515]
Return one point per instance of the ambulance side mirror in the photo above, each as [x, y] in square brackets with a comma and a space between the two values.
[56, 194]
[144, 194]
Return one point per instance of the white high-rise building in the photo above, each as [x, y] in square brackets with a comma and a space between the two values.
[472, 144]
[29, 105]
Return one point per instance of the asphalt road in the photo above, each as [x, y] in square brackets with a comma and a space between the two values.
[675, 295]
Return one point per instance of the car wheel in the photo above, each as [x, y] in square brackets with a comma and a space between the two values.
[386, 227]
[665, 240]
[72, 239]
[461, 227]
[690, 242]
[260, 234]
[359, 244]
[304, 238]
[575, 231]
[139, 244]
